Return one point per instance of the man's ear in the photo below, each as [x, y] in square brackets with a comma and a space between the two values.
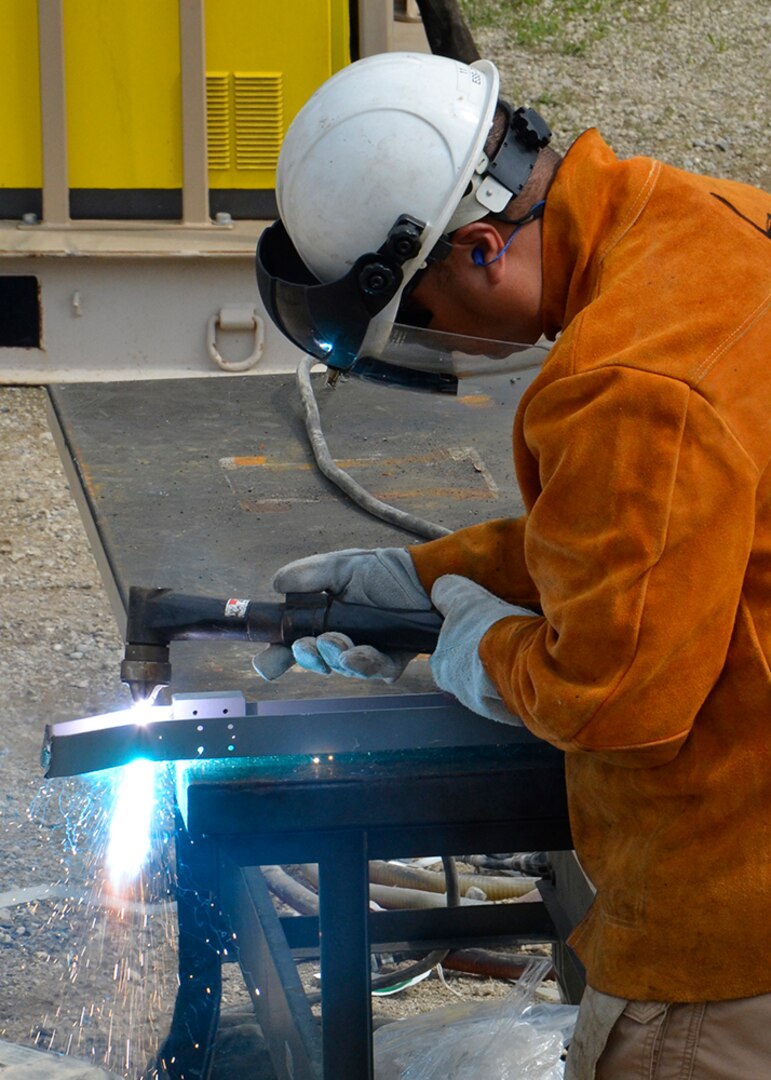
[480, 244]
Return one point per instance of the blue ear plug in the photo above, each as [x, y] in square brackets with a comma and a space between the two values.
[479, 256]
[536, 211]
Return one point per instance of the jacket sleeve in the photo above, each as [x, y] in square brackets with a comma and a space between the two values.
[638, 543]
[492, 554]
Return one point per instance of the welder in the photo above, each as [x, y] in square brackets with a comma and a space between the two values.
[626, 617]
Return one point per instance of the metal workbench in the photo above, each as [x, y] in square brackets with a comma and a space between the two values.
[210, 487]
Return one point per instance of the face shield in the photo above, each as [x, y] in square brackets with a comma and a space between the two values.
[421, 358]
[352, 324]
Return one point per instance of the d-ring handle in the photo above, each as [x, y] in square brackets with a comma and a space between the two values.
[235, 317]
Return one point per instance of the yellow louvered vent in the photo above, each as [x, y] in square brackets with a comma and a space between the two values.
[258, 100]
[218, 120]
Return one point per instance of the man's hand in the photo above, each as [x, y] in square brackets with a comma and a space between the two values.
[382, 578]
[469, 612]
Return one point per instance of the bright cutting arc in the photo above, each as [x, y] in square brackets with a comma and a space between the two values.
[131, 821]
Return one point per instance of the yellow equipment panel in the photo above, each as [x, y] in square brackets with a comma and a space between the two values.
[21, 160]
[123, 95]
[263, 61]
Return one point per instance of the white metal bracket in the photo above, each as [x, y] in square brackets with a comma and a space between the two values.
[238, 317]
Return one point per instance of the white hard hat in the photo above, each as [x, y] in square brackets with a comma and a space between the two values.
[378, 168]
[391, 134]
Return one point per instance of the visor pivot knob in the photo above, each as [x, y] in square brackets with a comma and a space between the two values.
[404, 238]
[377, 278]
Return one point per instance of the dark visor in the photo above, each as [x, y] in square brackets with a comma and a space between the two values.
[329, 321]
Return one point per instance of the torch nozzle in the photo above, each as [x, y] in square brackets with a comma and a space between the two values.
[145, 670]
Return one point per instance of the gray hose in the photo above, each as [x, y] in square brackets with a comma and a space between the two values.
[400, 518]
[533, 863]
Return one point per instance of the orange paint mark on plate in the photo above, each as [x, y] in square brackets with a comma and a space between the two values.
[247, 462]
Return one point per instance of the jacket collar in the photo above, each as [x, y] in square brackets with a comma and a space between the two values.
[593, 200]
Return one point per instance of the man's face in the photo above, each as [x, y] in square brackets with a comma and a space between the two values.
[500, 300]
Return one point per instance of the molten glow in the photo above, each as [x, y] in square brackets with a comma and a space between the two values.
[130, 826]
[142, 712]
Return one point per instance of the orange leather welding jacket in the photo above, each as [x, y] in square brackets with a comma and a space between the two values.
[642, 452]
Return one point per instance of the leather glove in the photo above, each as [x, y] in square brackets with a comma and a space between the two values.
[383, 578]
[469, 612]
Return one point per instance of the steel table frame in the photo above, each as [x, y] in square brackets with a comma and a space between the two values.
[340, 815]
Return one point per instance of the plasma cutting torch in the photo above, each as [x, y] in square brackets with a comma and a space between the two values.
[233, 727]
[156, 617]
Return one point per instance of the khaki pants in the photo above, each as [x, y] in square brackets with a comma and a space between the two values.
[655, 1040]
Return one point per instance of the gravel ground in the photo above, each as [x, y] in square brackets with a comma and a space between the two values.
[686, 81]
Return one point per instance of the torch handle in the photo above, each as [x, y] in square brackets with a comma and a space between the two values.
[157, 617]
[307, 615]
